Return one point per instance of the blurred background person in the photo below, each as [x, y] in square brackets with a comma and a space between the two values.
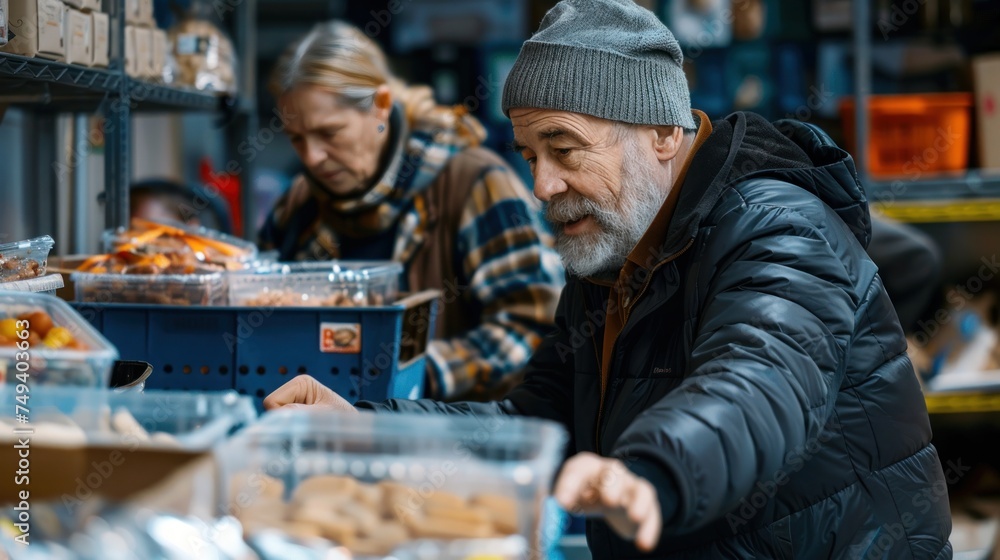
[166, 200]
[909, 264]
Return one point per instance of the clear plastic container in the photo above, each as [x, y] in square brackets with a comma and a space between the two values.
[318, 284]
[77, 355]
[195, 420]
[161, 289]
[22, 260]
[492, 472]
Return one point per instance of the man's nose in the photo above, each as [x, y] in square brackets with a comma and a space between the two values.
[548, 181]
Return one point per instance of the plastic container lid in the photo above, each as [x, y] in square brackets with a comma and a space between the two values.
[48, 366]
[42, 284]
[317, 284]
[16, 258]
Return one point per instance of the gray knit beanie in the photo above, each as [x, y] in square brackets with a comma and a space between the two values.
[607, 58]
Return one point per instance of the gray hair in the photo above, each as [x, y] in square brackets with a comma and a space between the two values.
[336, 56]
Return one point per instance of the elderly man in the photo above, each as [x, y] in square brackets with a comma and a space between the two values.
[726, 359]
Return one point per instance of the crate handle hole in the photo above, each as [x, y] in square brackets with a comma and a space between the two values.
[186, 370]
[355, 371]
[282, 370]
[335, 371]
[374, 372]
[223, 370]
[205, 370]
[261, 394]
[261, 370]
[167, 368]
[302, 369]
[244, 370]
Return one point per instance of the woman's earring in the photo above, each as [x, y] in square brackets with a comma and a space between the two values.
[381, 128]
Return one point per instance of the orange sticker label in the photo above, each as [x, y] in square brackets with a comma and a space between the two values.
[340, 338]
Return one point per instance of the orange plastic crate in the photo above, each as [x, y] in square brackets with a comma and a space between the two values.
[914, 135]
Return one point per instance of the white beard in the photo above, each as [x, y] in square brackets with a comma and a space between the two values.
[601, 254]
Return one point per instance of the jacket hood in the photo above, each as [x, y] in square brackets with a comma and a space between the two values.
[745, 146]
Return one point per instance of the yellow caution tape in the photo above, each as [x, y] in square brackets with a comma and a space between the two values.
[956, 403]
[982, 210]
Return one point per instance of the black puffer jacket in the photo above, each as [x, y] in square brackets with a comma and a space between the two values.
[761, 379]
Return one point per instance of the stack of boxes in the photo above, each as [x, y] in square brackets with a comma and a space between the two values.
[76, 31]
[79, 31]
[145, 44]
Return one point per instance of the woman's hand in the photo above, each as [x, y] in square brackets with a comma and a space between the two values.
[304, 391]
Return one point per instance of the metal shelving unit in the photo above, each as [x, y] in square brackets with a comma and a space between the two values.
[57, 77]
[49, 87]
[147, 96]
[971, 185]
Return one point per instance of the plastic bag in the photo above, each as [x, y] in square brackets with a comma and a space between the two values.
[202, 55]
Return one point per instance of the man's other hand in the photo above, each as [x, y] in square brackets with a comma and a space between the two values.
[304, 391]
[591, 484]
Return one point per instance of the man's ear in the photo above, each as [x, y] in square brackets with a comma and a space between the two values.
[667, 141]
[382, 104]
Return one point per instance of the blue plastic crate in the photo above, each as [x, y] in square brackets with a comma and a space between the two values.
[256, 350]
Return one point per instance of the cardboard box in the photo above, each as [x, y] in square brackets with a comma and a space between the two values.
[57, 471]
[145, 13]
[100, 29]
[131, 62]
[79, 38]
[132, 12]
[144, 52]
[3, 22]
[36, 28]
[160, 45]
[986, 71]
[66, 265]
[91, 5]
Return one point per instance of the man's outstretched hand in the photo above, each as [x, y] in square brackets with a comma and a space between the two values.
[591, 484]
[304, 391]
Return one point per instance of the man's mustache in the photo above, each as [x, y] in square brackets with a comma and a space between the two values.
[567, 208]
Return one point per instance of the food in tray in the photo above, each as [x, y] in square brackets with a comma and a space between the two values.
[185, 248]
[368, 519]
[162, 289]
[42, 333]
[160, 278]
[17, 268]
[128, 262]
[161, 264]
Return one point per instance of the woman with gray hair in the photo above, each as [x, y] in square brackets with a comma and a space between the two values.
[389, 174]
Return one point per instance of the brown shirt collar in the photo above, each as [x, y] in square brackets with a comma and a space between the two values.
[650, 247]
